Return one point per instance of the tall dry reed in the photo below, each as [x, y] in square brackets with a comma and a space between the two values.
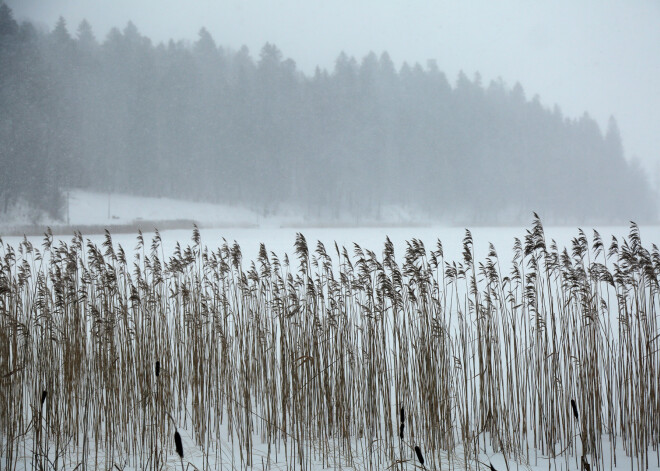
[314, 359]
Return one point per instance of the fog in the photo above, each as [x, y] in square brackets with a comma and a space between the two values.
[600, 57]
[455, 121]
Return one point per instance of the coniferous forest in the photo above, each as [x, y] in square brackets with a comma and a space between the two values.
[195, 120]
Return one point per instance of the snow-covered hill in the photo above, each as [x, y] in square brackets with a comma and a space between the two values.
[92, 212]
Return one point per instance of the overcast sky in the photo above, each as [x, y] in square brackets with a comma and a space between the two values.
[599, 56]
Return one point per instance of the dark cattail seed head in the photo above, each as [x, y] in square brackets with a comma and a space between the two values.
[178, 443]
[157, 368]
[44, 393]
[401, 431]
[574, 407]
[403, 416]
[420, 457]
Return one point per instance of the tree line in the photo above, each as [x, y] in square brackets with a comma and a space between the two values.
[199, 121]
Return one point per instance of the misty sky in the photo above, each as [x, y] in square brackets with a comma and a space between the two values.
[600, 56]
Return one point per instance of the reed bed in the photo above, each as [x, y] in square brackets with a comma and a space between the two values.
[330, 358]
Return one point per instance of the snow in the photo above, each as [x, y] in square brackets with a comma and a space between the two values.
[90, 208]
[228, 457]
[92, 212]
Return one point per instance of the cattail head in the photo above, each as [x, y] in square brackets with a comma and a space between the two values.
[178, 444]
[403, 416]
[44, 393]
[574, 407]
[401, 431]
[420, 457]
[157, 368]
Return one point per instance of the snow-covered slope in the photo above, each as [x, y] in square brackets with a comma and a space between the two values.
[91, 212]
[90, 208]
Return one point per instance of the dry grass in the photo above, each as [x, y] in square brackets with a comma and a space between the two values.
[358, 359]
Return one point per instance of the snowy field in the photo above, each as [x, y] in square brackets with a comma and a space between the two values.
[95, 210]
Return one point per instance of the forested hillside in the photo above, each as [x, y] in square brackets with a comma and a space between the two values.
[195, 120]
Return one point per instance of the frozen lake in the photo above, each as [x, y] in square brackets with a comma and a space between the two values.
[281, 240]
[278, 233]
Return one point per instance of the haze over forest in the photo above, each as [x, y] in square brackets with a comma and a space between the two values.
[196, 120]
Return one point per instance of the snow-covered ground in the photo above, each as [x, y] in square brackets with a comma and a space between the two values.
[227, 457]
[95, 210]
[91, 208]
